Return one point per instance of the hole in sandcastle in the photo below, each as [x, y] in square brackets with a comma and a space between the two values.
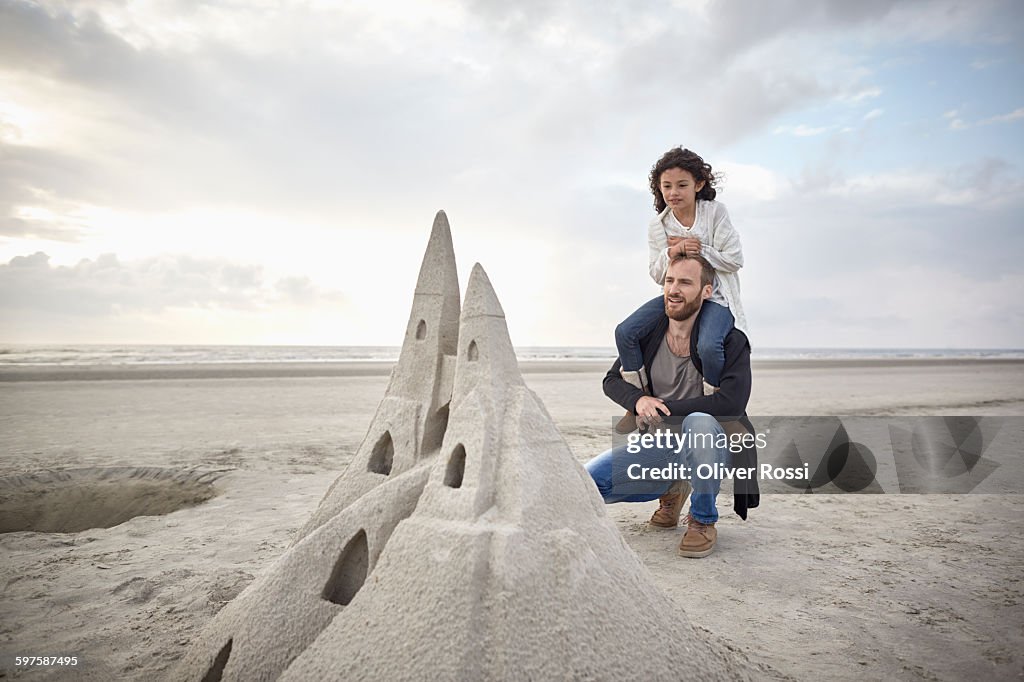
[421, 330]
[216, 670]
[73, 500]
[472, 353]
[349, 572]
[434, 429]
[456, 467]
[383, 455]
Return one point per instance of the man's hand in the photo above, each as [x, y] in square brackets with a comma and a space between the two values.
[691, 246]
[648, 408]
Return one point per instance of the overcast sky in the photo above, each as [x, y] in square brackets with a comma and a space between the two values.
[253, 172]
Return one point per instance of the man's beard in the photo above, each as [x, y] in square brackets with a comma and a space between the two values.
[688, 310]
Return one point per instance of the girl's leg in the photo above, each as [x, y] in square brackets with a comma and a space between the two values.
[635, 327]
[715, 323]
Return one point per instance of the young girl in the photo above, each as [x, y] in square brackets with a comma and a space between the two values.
[690, 222]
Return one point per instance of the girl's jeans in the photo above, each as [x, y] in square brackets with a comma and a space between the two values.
[715, 322]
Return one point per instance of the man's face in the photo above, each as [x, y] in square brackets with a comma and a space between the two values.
[683, 292]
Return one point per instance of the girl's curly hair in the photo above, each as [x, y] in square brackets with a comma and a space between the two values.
[688, 161]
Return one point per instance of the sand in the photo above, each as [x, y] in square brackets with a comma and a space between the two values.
[844, 587]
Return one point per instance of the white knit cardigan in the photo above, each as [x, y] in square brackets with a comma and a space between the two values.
[720, 246]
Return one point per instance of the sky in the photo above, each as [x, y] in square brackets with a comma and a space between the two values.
[258, 172]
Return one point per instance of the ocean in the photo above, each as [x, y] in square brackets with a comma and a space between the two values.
[13, 355]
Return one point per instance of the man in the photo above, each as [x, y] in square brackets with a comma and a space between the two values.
[708, 421]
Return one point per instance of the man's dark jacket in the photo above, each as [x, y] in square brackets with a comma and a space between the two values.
[728, 404]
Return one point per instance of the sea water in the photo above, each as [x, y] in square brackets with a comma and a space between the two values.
[87, 354]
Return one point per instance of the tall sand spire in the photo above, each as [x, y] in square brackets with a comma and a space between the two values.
[411, 419]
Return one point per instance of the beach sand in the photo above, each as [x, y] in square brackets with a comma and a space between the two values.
[810, 587]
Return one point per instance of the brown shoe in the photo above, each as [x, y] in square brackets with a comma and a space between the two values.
[699, 539]
[627, 424]
[672, 504]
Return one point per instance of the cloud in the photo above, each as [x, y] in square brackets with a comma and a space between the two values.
[750, 183]
[304, 291]
[1014, 115]
[957, 123]
[801, 130]
[979, 64]
[306, 135]
[33, 184]
[877, 309]
[106, 285]
[989, 183]
[748, 100]
[309, 141]
[859, 95]
[306, 111]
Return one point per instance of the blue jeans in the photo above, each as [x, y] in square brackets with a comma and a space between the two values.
[635, 327]
[715, 322]
[611, 469]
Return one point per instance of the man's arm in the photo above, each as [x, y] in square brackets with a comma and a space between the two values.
[731, 398]
[620, 390]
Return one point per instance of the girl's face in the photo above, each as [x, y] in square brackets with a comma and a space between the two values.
[679, 189]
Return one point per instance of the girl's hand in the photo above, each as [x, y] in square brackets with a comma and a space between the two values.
[691, 246]
[675, 250]
[672, 241]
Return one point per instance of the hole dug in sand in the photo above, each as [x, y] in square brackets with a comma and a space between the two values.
[74, 500]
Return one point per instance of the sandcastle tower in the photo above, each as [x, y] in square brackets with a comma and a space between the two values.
[488, 557]
[411, 419]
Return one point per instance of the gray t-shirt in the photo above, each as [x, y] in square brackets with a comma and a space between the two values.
[674, 377]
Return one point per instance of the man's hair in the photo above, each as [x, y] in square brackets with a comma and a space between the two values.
[707, 273]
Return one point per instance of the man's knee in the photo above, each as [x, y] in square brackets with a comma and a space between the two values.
[704, 437]
[701, 422]
[600, 472]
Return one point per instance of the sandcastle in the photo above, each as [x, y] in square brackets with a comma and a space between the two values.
[463, 542]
